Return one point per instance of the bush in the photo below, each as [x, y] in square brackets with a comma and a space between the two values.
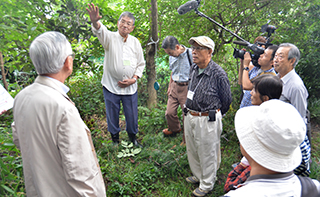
[86, 92]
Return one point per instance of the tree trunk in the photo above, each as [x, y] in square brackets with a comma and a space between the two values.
[150, 57]
[3, 73]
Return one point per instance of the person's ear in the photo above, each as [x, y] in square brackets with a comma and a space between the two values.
[292, 61]
[132, 28]
[68, 64]
[210, 52]
[265, 98]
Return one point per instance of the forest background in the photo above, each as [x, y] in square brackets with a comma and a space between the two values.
[161, 166]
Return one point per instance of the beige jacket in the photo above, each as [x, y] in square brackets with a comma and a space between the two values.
[56, 146]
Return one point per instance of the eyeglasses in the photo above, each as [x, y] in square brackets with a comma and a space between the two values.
[198, 48]
[73, 55]
[122, 22]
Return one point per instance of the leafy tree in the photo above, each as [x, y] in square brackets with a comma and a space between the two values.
[20, 22]
[304, 31]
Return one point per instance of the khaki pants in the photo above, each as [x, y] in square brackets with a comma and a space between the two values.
[203, 147]
[176, 97]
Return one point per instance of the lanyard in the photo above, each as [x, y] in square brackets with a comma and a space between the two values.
[192, 80]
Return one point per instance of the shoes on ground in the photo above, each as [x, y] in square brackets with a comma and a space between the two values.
[192, 179]
[168, 133]
[133, 139]
[115, 138]
[199, 192]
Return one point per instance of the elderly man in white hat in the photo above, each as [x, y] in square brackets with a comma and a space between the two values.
[270, 135]
[208, 98]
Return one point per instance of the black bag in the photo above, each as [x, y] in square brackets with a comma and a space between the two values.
[308, 188]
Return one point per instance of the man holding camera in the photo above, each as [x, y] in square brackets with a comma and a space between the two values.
[266, 62]
[208, 98]
[294, 92]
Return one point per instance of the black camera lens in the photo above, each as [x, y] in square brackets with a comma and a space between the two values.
[238, 53]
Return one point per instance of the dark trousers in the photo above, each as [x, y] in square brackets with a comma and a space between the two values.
[130, 108]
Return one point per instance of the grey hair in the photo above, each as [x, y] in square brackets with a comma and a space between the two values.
[170, 42]
[293, 52]
[49, 51]
[127, 14]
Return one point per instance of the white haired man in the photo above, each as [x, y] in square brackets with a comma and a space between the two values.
[58, 155]
[294, 92]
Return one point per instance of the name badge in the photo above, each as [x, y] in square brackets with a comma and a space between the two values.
[190, 95]
[126, 62]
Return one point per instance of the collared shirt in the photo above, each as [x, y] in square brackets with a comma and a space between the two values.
[254, 72]
[213, 89]
[63, 87]
[277, 185]
[295, 92]
[122, 60]
[180, 66]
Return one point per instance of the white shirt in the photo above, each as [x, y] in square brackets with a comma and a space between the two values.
[295, 92]
[122, 60]
[279, 185]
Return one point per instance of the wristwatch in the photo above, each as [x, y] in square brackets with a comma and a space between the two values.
[246, 68]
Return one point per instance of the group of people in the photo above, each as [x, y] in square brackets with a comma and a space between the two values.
[56, 143]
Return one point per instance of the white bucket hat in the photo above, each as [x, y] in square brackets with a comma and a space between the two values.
[271, 134]
[203, 41]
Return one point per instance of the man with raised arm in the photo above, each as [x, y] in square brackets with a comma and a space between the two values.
[122, 67]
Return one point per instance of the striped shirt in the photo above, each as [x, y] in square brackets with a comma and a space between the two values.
[211, 89]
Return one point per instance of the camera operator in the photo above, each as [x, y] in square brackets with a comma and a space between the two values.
[259, 39]
[266, 62]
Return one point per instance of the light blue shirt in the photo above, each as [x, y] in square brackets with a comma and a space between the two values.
[180, 66]
[254, 72]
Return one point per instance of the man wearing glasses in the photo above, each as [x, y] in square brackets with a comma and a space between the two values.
[122, 67]
[208, 98]
[56, 146]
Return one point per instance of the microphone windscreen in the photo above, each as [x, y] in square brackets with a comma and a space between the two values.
[190, 5]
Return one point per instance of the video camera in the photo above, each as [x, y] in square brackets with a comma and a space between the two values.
[257, 50]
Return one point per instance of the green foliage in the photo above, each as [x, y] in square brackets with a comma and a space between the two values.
[128, 150]
[11, 177]
[314, 108]
[162, 77]
[161, 166]
[86, 93]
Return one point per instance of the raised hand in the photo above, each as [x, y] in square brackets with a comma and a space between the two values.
[94, 15]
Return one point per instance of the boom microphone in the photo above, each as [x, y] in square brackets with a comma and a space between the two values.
[190, 5]
[241, 43]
